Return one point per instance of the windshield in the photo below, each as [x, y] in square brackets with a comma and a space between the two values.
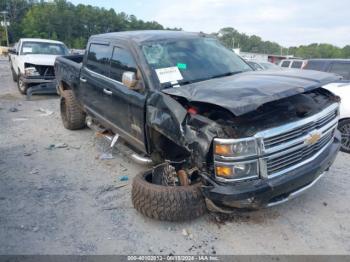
[41, 48]
[191, 60]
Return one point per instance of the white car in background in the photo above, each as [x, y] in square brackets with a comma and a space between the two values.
[32, 63]
[292, 63]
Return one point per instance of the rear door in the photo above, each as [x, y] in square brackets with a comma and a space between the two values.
[94, 77]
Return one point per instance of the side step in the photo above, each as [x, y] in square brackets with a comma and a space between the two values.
[113, 138]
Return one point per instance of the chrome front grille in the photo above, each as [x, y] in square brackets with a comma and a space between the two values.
[300, 131]
[280, 163]
[286, 147]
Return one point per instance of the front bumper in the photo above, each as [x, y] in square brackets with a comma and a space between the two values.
[268, 192]
[40, 85]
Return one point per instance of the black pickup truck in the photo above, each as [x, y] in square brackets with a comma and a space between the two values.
[218, 134]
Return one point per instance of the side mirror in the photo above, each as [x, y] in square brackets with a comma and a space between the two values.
[129, 79]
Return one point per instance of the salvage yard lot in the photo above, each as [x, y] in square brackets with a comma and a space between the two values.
[59, 196]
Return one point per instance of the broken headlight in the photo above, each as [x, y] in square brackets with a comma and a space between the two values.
[237, 171]
[235, 148]
[31, 71]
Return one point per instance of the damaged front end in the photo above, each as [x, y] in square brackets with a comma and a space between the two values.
[40, 79]
[252, 160]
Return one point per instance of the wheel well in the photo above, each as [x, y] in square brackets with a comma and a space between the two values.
[165, 148]
[63, 86]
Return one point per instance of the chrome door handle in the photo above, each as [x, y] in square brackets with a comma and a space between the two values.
[107, 92]
[82, 79]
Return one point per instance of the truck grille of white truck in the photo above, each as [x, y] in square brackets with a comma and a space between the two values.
[284, 148]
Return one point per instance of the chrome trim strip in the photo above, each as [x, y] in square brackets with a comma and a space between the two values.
[293, 125]
[105, 77]
[296, 193]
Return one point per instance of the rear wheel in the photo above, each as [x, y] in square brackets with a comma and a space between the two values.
[73, 117]
[344, 128]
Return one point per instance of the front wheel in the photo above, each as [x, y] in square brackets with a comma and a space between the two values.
[169, 203]
[344, 128]
[22, 87]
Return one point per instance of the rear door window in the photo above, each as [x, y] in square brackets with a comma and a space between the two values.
[297, 64]
[285, 64]
[122, 61]
[98, 58]
[342, 69]
[315, 65]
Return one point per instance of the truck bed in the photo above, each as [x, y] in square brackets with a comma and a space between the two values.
[67, 70]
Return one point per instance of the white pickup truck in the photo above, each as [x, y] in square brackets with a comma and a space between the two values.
[32, 63]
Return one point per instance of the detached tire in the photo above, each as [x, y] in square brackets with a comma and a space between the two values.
[73, 117]
[169, 203]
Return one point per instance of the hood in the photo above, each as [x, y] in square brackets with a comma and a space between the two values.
[46, 60]
[245, 92]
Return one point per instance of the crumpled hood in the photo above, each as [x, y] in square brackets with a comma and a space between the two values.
[46, 60]
[245, 92]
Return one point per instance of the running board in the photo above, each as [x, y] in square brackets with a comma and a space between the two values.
[142, 160]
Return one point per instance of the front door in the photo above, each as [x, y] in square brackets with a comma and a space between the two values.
[126, 106]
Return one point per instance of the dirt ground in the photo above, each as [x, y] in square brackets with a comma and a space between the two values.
[58, 197]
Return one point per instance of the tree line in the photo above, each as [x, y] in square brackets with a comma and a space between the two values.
[74, 24]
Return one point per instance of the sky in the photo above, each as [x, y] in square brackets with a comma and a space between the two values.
[287, 22]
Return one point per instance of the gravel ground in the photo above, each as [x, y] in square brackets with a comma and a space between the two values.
[68, 201]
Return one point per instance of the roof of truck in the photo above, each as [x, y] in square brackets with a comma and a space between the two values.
[40, 40]
[148, 35]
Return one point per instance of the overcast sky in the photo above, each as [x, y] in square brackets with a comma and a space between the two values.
[287, 22]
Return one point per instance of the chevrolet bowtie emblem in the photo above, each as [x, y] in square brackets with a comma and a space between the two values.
[312, 138]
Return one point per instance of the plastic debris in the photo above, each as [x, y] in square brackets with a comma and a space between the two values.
[59, 145]
[106, 156]
[124, 178]
[13, 109]
[45, 112]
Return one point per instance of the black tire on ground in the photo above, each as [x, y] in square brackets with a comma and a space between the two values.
[169, 203]
[73, 117]
[22, 87]
[344, 128]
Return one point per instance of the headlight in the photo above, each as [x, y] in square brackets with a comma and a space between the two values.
[235, 147]
[237, 171]
[31, 71]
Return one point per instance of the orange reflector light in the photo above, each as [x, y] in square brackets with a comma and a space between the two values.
[222, 149]
[224, 171]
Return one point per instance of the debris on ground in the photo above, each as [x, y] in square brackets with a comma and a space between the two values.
[124, 178]
[59, 145]
[185, 232]
[13, 109]
[19, 119]
[34, 171]
[45, 112]
[106, 156]
[27, 154]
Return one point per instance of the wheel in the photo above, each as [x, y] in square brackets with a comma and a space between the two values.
[14, 76]
[73, 117]
[344, 128]
[22, 87]
[169, 203]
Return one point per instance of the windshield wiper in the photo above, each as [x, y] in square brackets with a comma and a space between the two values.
[226, 74]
